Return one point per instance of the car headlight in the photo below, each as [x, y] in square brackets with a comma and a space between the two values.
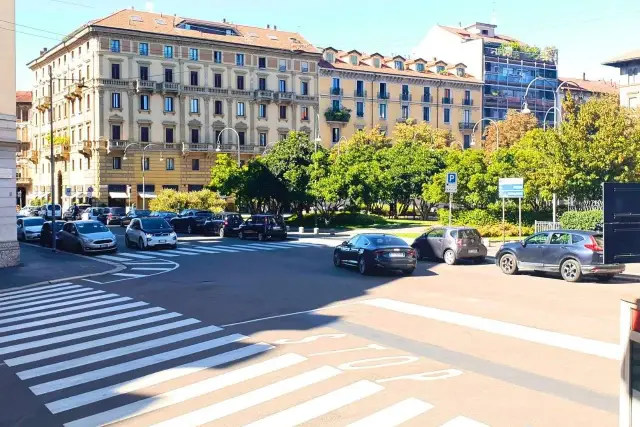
[30, 232]
[173, 236]
[149, 236]
[87, 240]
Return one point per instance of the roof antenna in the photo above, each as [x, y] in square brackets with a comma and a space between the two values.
[494, 17]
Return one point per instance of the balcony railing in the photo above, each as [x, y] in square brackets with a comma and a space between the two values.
[402, 119]
[113, 82]
[466, 126]
[360, 93]
[427, 98]
[116, 144]
[218, 90]
[194, 89]
[22, 178]
[336, 91]
[383, 95]
[199, 147]
[337, 116]
[145, 85]
[264, 95]
[310, 98]
[446, 100]
[61, 151]
[467, 101]
[169, 86]
[240, 92]
[284, 96]
[405, 97]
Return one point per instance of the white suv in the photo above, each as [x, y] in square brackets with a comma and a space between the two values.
[146, 233]
[46, 211]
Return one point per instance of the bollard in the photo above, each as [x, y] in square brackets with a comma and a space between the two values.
[301, 230]
[316, 230]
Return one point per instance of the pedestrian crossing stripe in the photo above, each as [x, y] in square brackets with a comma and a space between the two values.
[32, 290]
[126, 327]
[38, 292]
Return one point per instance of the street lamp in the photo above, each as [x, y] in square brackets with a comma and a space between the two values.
[473, 132]
[237, 136]
[144, 148]
[525, 107]
[544, 122]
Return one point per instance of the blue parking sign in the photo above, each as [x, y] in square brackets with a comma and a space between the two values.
[452, 178]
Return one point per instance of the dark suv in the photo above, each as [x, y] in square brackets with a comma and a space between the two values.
[263, 227]
[223, 224]
[571, 253]
[190, 221]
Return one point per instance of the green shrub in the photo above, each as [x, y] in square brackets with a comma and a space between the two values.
[475, 218]
[174, 201]
[495, 230]
[586, 220]
[345, 219]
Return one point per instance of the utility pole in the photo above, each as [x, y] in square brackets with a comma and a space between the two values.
[53, 165]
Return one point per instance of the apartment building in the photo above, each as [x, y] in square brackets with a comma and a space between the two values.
[629, 66]
[582, 89]
[145, 94]
[24, 168]
[506, 66]
[380, 90]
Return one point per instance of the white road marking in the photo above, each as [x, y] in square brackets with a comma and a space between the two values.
[137, 256]
[32, 294]
[463, 422]
[87, 292]
[83, 334]
[200, 251]
[236, 248]
[66, 309]
[180, 252]
[320, 405]
[252, 398]
[155, 378]
[261, 246]
[43, 297]
[34, 357]
[191, 391]
[527, 333]
[35, 289]
[116, 352]
[161, 262]
[112, 258]
[395, 414]
[164, 254]
[216, 249]
[150, 269]
[92, 281]
[279, 245]
[60, 328]
[130, 275]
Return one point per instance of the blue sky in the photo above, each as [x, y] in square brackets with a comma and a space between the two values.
[586, 32]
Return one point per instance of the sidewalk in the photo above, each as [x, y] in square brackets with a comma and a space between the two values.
[41, 265]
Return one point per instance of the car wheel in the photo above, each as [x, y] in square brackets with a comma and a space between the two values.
[508, 264]
[603, 278]
[80, 249]
[127, 242]
[337, 262]
[141, 244]
[449, 257]
[261, 237]
[570, 270]
[240, 235]
[221, 232]
[418, 254]
[363, 268]
[189, 229]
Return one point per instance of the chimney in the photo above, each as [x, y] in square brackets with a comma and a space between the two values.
[275, 27]
[435, 59]
[584, 76]
[460, 24]
[224, 20]
[268, 26]
[43, 51]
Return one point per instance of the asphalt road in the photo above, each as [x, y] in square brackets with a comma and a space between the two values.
[229, 332]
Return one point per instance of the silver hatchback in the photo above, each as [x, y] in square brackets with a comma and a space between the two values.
[451, 244]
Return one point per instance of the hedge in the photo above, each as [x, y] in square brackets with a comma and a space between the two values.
[342, 219]
[487, 224]
[585, 220]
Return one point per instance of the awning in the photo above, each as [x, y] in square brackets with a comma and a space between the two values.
[147, 195]
[118, 195]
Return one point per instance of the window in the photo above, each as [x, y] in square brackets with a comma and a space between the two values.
[144, 133]
[217, 136]
[88, 132]
[193, 78]
[560, 239]
[195, 164]
[447, 94]
[335, 135]
[262, 111]
[144, 102]
[144, 72]
[217, 80]
[329, 57]
[335, 83]
[217, 56]
[168, 51]
[360, 109]
[460, 72]
[304, 66]
[282, 85]
[115, 100]
[240, 59]
[466, 114]
[262, 62]
[262, 139]
[282, 65]
[115, 132]
[360, 88]
[195, 135]
[115, 71]
[73, 107]
[440, 68]
[114, 46]
[146, 163]
[438, 233]
[143, 48]
[485, 32]
[240, 109]
[354, 59]
[304, 113]
[335, 105]
[467, 96]
[193, 54]
[168, 135]
[399, 65]
[426, 114]
[405, 112]
[283, 112]
[240, 82]
[537, 239]
[420, 67]
[79, 105]
[168, 75]
[217, 107]
[304, 88]
[383, 90]
[241, 138]
[447, 115]
[383, 111]
[195, 105]
[171, 165]
[168, 104]
[262, 83]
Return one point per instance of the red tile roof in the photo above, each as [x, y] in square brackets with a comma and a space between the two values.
[594, 86]
[24, 96]
[461, 32]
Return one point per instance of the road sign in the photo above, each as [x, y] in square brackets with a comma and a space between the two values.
[451, 186]
[511, 188]
[90, 192]
[67, 191]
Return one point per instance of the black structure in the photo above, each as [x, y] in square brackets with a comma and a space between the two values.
[621, 222]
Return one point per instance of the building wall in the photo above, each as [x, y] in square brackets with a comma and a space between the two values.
[448, 47]
[630, 84]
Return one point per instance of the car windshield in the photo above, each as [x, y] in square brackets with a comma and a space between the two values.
[468, 234]
[32, 222]
[99, 211]
[155, 223]
[142, 213]
[386, 241]
[204, 213]
[91, 227]
[116, 211]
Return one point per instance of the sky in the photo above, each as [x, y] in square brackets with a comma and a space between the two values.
[586, 32]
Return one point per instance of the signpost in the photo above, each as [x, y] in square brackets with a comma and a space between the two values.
[67, 191]
[511, 188]
[451, 186]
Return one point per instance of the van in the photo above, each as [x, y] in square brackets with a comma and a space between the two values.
[47, 211]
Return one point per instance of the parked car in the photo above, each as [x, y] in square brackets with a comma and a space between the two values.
[166, 215]
[263, 227]
[29, 228]
[133, 213]
[45, 234]
[223, 224]
[68, 214]
[376, 251]
[451, 244]
[190, 221]
[113, 215]
[28, 211]
[87, 237]
[92, 214]
[571, 253]
[150, 232]
[48, 211]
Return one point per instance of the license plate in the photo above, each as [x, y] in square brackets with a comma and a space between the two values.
[162, 241]
[276, 228]
[104, 246]
[396, 255]
[473, 251]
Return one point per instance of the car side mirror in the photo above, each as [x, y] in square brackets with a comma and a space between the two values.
[523, 243]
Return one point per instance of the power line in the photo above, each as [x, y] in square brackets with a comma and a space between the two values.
[33, 28]
[30, 34]
[73, 4]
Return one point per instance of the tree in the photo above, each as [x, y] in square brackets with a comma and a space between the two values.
[423, 133]
[511, 130]
[327, 187]
[225, 175]
[174, 201]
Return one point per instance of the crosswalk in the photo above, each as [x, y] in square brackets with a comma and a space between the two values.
[97, 358]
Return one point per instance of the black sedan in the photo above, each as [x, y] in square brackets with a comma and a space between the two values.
[376, 251]
[133, 213]
[45, 234]
[190, 221]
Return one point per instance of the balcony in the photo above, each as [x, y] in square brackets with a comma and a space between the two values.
[22, 178]
[43, 103]
[218, 90]
[336, 91]
[359, 93]
[341, 116]
[284, 96]
[251, 149]
[73, 91]
[82, 147]
[383, 95]
[114, 82]
[167, 87]
[198, 147]
[241, 92]
[306, 98]
[402, 120]
[194, 89]
[427, 98]
[446, 100]
[61, 152]
[264, 95]
[467, 101]
[116, 145]
[466, 126]
[32, 156]
[405, 97]
[145, 85]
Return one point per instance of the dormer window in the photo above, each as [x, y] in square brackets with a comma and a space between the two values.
[328, 56]
[440, 68]
[460, 72]
[485, 32]
[399, 65]
[354, 59]
[376, 62]
[420, 67]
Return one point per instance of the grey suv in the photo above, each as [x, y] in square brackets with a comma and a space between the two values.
[568, 252]
[451, 244]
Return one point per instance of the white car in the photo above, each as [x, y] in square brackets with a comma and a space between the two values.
[91, 214]
[146, 233]
[29, 228]
[47, 211]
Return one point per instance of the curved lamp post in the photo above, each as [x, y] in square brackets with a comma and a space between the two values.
[124, 157]
[237, 136]
[339, 141]
[473, 132]
[544, 122]
[525, 107]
